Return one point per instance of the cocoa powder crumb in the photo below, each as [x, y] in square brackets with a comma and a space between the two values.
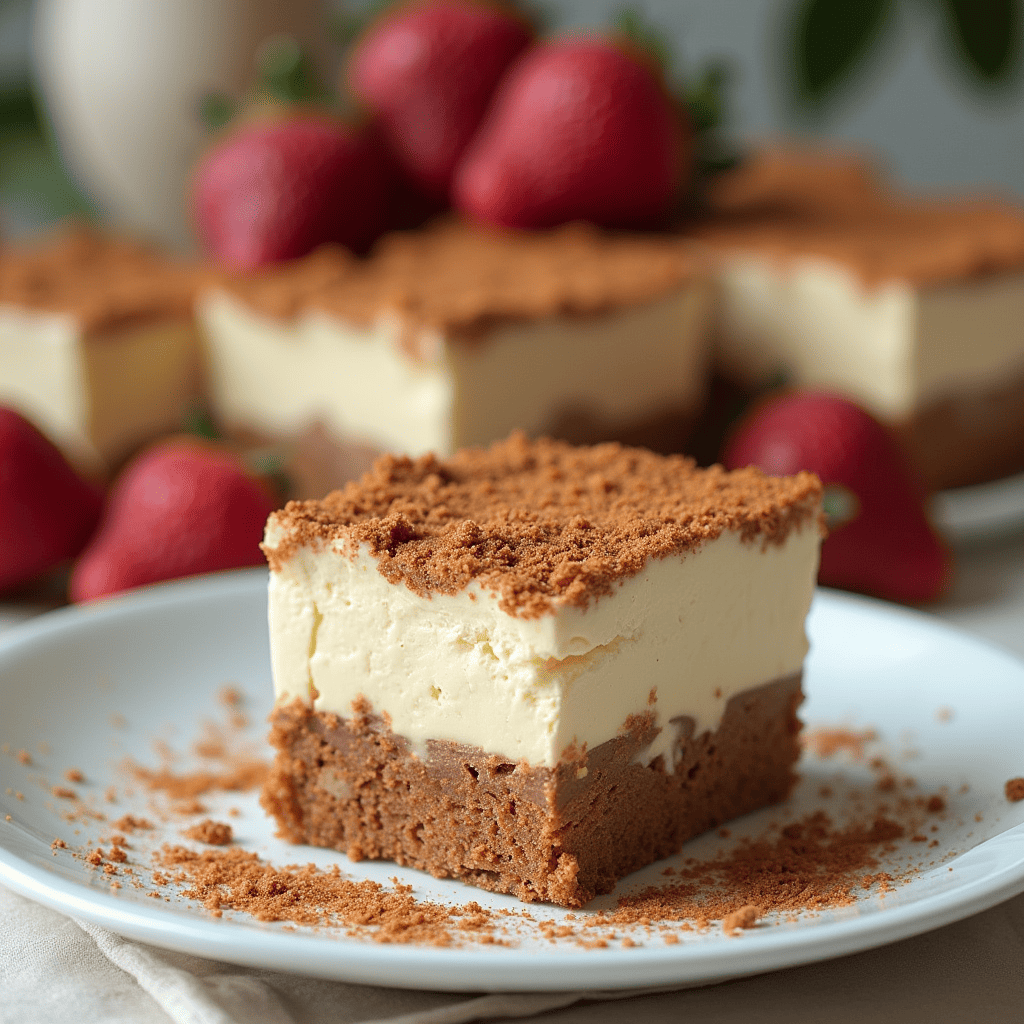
[117, 854]
[63, 793]
[936, 804]
[95, 857]
[215, 833]
[58, 844]
[129, 823]
[24, 757]
[74, 775]
[245, 774]
[745, 917]
[1014, 789]
[238, 880]
[827, 742]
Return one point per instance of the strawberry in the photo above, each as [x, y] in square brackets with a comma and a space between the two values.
[182, 508]
[275, 187]
[427, 71]
[49, 511]
[579, 129]
[880, 540]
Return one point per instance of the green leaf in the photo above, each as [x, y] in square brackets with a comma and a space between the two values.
[830, 38]
[285, 72]
[986, 34]
[197, 421]
[216, 110]
[706, 96]
[644, 36]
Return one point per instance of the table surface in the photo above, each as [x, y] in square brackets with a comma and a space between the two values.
[966, 971]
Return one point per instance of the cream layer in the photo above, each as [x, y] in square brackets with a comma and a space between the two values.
[679, 639]
[892, 347]
[277, 376]
[98, 395]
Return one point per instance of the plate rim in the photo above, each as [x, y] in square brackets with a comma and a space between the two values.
[489, 968]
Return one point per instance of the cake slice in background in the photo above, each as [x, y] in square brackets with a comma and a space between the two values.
[455, 335]
[536, 667]
[97, 343]
[913, 308]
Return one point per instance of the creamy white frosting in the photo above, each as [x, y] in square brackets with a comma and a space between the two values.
[281, 375]
[97, 394]
[696, 629]
[893, 347]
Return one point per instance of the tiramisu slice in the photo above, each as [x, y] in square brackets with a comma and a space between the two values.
[912, 308]
[454, 335]
[536, 667]
[97, 343]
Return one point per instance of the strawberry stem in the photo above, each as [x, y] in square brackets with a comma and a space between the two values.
[644, 36]
[285, 73]
[216, 110]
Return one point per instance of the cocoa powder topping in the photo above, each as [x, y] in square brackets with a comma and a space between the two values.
[103, 282]
[213, 833]
[542, 523]
[1015, 790]
[463, 278]
[789, 205]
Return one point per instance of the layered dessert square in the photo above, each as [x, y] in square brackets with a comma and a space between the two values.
[98, 345]
[536, 667]
[456, 334]
[911, 307]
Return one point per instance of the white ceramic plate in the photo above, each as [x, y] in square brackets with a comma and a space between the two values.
[985, 510]
[158, 659]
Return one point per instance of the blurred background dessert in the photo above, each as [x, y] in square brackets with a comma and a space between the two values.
[324, 231]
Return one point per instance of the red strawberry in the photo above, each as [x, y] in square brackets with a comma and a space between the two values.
[880, 540]
[274, 188]
[580, 129]
[427, 70]
[49, 512]
[182, 508]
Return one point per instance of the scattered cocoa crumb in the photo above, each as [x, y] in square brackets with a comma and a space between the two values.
[109, 869]
[7, 817]
[58, 844]
[936, 804]
[129, 823]
[110, 794]
[238, 880]
[63, 793]
[117, 854]
[187, 807]
[246, 774]
[74, 775]
[19, 796]
[810, 865]
[95, 857]
[944, 714]
[825, 742]
[230, 696]
[215, 833]
[118, 840]
[1014, 790]
[24, 757]
[745, 917]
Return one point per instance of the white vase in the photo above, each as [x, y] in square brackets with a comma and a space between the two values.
[123, 80]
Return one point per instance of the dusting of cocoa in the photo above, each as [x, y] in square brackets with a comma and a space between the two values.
[542, 523]
[238, 880]
[826, 742]
[214, 833]
[745, 917]
[1014, 790]
[245, 774]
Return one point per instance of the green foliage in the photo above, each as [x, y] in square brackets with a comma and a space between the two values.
[986, 36]
[216, 110]
[830, 40]
[644, 36]
[286, 73]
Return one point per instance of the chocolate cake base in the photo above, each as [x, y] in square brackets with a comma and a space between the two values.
[561, 835]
